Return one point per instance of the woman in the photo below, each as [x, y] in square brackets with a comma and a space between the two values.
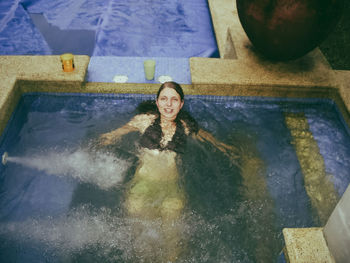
[154, 190]
[164, 132]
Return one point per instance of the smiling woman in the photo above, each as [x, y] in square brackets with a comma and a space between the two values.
[163, 125]
[154, 191]
[169, 103]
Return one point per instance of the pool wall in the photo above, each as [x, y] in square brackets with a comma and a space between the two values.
[336, 230]
[238, 72]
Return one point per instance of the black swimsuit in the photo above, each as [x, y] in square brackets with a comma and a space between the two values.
[153, 135]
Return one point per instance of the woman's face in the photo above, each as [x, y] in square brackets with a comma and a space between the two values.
[169, 103]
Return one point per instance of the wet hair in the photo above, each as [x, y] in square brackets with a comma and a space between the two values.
[172, 85]
[189, 120]
[148, 106]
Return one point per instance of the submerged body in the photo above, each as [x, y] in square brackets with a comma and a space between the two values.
[154, 192]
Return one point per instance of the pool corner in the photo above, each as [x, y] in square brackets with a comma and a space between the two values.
[14, 69]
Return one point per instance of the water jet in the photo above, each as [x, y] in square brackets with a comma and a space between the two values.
[4, 158]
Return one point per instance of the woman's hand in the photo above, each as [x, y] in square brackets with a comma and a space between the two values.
[107, 139]
[230, 151]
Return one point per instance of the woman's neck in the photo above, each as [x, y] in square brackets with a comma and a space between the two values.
[166, 122]
[167, 125]
[168, 128]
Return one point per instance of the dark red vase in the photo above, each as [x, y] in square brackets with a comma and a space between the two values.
[288, 29]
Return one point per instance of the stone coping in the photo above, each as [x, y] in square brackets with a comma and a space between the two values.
[305, 245]
[33, 68]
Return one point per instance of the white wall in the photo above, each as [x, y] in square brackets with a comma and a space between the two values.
[337, 230]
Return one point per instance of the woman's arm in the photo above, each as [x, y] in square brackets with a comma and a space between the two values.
[229, 150]
[138, 123]
[113, 136]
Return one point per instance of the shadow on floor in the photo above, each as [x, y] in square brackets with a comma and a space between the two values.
[79, 42]
[336, 47]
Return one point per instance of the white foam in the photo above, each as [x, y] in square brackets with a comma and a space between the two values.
[68, 234]
[100, 168]
[84, 229]
[116, 238]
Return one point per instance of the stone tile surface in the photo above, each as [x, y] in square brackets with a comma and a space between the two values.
[33, 68]
[306, 245]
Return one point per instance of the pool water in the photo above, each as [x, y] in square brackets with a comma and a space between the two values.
[137, 28]
[61, 199]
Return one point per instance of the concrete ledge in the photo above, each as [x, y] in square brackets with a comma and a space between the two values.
[306, 71]
[33, 68]
[241, 64]
[42, 67]
[225, 19]
[342, 81]
[306, 245]
[337, 229]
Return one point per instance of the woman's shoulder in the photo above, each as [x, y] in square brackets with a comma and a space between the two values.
[144, 117]
[142, 121]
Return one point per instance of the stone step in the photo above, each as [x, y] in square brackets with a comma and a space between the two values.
[306, 245]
